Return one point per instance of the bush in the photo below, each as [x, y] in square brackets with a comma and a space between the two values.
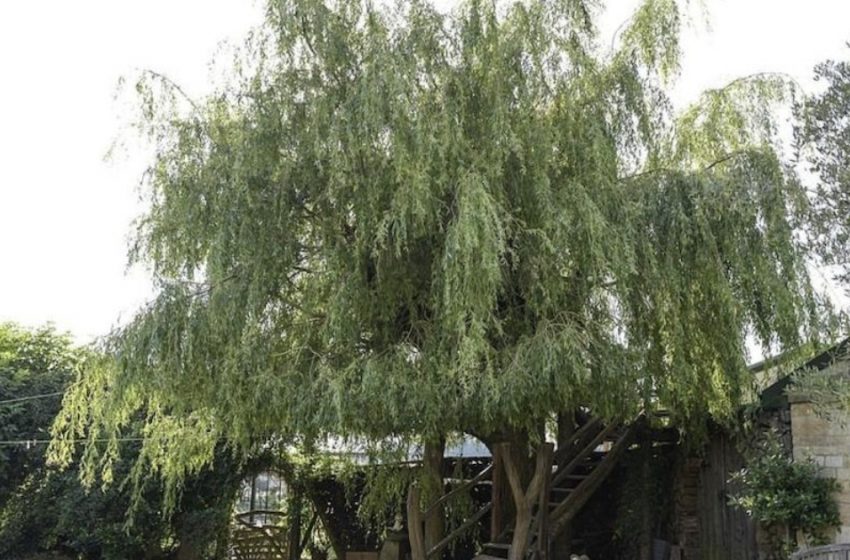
[787, 497]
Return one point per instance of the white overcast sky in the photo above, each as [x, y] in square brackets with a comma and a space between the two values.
[65, 213]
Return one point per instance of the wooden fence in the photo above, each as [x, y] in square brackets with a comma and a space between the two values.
[831, 552]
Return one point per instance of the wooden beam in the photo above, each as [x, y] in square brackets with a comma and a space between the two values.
[497, 492]
[543, 538]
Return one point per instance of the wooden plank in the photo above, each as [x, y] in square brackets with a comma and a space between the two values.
[543, 538]
[361, 555]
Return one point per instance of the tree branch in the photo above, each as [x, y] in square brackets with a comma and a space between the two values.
[171, 83]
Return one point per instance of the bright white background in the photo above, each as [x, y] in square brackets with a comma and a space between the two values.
[65, 213]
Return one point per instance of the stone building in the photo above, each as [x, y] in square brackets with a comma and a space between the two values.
[813, 434]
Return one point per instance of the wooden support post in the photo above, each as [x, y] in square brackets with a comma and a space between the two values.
[497, 494]
[294, 540]
[415, 532]
[645, 541]
[252, 504]
[562, 544]
[544, 543]
[432, 461]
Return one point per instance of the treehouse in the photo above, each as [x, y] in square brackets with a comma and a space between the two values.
[569, 505]
[606, 490]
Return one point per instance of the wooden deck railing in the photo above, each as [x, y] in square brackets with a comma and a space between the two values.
[466, 525]
[266, 541]
[830, 552]
[416, 517]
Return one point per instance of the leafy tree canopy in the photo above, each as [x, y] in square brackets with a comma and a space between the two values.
[394, 222]
[43, 510]
[35, 368]
[824, 137]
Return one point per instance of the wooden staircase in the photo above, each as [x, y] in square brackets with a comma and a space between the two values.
[570, 477]
[578, 470]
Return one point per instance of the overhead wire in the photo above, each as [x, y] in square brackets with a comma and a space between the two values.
[33, 397]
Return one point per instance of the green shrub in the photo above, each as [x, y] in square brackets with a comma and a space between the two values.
[787, 497]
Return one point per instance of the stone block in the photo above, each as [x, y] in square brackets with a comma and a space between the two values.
[834, 461]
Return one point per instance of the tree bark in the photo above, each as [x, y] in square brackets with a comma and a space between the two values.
[415, 531]
[432, 461]
[524, 498]
[501, 444]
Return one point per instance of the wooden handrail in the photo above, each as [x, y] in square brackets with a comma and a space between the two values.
[563, 452]
[416, 518]
[462, 528]
[587, 450]
[829, 552]
[468, 484]
[259, 512]
[561, 514]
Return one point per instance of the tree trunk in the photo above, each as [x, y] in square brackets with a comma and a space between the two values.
[501, 445]
[415, 531]
[433, 467]
[524, 498]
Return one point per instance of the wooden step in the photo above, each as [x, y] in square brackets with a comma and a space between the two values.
[496, 550]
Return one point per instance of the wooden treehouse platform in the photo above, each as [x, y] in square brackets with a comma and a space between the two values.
[563, 482]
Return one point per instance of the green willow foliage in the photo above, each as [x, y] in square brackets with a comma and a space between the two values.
[395, 222]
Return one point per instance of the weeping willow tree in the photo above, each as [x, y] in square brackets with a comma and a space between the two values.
[395, 223]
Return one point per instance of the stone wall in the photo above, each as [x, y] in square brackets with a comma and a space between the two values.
[828, 443]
